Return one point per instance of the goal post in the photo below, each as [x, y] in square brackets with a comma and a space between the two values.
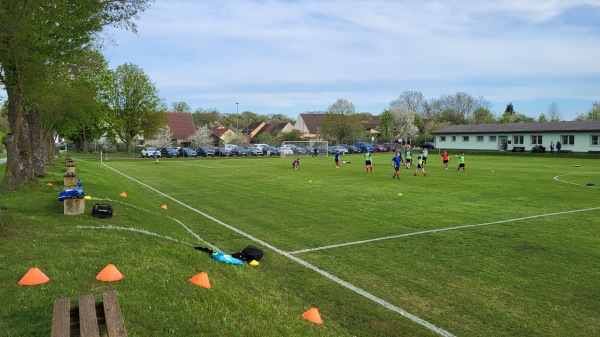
[304, 148]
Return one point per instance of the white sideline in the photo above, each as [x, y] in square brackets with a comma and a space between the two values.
[333, 278]
[142, 231]
[568, 182]
[441, 230]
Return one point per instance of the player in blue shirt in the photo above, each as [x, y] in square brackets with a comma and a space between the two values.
[296, 163]
[396, 162]
[337, 158]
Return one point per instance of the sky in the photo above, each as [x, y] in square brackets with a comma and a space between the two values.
[290, 57]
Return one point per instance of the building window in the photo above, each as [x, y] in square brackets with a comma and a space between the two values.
[536, 140]
[479, 138]
[567, 140]
[442, 138]
[595, 140]
[492, 138]
[453, 138]
[465, 138]
[518, 140]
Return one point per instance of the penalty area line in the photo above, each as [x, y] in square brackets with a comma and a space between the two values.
[440, 230]
[329, 276]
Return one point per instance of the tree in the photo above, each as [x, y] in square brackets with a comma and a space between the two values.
[293, 135]
[483, 115]
[206, 116]
[404, 127]
[554, 114]
[386, 125]
[163, 138]
[458, 108]
[180, 107]
[202, 136]
[340, 122]
[36, 35]
[542, 119]
[593, 114]
[134, 105]
[410, 100]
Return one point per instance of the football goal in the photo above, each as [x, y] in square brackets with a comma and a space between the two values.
[304, 148]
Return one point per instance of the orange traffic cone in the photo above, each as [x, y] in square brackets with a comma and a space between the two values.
[201, 280]
[49, 184]
[109, 273]
[164, 207]
[313, 315]
[34, 277]
[123, 194]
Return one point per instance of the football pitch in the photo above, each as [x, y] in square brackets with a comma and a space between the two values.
[509, 248]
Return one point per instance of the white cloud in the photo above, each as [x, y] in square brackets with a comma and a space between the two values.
[301, 54]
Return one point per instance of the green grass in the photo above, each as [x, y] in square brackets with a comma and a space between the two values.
[529, 269]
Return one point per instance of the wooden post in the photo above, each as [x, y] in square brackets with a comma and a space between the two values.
[74, 206]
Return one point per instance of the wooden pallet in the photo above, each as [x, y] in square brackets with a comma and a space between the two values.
[89, 319]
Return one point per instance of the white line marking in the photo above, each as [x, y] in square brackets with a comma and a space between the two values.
[213, 247]
[335, 279]
[440, 230]
[568, 182]
[142, 231]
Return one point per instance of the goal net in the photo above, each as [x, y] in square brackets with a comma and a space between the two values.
[304, 148]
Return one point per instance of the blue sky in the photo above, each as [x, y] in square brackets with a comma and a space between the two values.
[289, 57]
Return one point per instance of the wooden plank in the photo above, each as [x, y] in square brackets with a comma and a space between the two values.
[112, 312]
[88, 321]
[61, 323]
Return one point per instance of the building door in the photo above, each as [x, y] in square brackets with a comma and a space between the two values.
[503, 143]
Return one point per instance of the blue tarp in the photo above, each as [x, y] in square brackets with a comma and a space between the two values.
[221, 257]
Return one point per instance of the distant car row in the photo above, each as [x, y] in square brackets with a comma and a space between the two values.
[266, 150]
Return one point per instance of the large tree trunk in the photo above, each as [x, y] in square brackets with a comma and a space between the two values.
[38, 143]
[19, 164]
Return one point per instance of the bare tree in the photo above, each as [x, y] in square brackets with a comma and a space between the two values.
[410, 100]
[554, 114]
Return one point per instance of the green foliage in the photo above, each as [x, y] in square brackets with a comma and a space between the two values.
[386, 125]
[134, 105]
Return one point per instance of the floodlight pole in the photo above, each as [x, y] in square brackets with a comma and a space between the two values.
[237, 114]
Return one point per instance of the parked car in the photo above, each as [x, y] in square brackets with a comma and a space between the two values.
[148, 152]
[255, 151]
[340, 148]
[168, 152]
[428, 145]
[391, 147]
[286, 150]
[352, 148]
[222, 152]
[379, 148]
[298, 149]
[205, 151]
[186, 152]
[240, 150]
[364, 146]
[270, 151]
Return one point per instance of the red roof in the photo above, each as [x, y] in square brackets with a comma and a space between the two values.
[181, 124]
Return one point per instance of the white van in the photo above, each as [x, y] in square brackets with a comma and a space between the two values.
[230, 146]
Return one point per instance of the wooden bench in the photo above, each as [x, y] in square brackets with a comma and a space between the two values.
[518, 149]
[89, 318]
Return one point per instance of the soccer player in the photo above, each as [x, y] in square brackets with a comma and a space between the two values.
[369, 161]
[445, 159]
[408, 157]
[396, 162]
[296, 163]
[337, 158]
[424, 153]
[461, 162]
[420, 165]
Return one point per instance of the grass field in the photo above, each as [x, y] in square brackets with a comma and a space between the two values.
[510, 248]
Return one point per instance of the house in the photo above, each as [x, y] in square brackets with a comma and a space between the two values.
[308, 124]
[220, 133]
[276, 129]
[575, 136]
[252, 130]
[182, 127]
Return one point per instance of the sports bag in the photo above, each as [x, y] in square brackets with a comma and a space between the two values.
[249, 253]
[102, 211]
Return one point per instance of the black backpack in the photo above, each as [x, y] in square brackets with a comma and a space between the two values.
[249, 253]
[102, 211]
